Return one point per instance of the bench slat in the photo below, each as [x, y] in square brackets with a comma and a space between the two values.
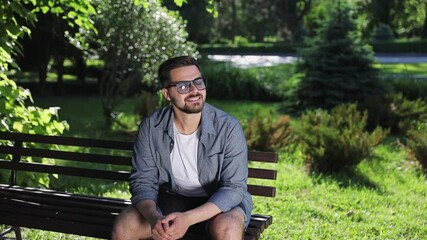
[262, 173]
[57, 225]
[69, 141]
[65, 155]
[15, 190]
[263, 156]
[72, 171]
[265, 191]
[71, 214]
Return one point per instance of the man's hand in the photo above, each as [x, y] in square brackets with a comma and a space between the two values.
[158, 231]
[176, 224]
[148, 209]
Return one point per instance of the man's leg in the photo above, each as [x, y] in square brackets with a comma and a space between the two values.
[229, 225]
[130, 224]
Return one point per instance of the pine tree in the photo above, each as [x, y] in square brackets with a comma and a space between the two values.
[337, 65]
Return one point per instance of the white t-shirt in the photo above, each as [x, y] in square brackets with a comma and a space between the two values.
[184, 164]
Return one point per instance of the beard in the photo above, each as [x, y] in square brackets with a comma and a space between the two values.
[193, 108]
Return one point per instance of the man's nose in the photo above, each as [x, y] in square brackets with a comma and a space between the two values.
[193, 87]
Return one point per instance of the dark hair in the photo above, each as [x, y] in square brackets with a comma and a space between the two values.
[167, 66]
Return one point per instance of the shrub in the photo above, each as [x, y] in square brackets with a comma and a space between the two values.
[406, 112]
[288, 90]
[263, 133]
[402, 113]
[337, 65]
[230, 82]
[410, 87]
[336, 140]
[417, 144]
[17, 114]
[383, 33]
[394, 111]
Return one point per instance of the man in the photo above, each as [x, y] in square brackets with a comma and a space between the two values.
[189, 165]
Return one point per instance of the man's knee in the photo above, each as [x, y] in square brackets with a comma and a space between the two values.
[130, 225]
[228, 225]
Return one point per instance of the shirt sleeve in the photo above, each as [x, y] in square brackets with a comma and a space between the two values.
[144, 175]
[234, 170]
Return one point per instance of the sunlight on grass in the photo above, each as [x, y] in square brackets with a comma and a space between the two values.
[417, 69]
[383, 199]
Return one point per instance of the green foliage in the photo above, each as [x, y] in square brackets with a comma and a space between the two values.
[16, 115]
[132, 41]
[230, 82]
[333, 141]
[409, 16]
[402, 113]
[314, 19]
[17, 110]
[383, 33]
[138, 37]
[337, 65]
[264, 133]
[410, 87]
[19, 13]
[409, 46]
[395, 112]
[417, 144]
[11, 30]
[289, 92]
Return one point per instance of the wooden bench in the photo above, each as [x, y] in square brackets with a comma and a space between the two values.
[86, 215]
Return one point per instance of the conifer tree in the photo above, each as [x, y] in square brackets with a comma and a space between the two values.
[337, 65]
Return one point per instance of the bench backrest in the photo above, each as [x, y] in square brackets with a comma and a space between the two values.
[18, 146]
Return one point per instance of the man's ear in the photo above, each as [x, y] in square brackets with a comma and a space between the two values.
[166, 94]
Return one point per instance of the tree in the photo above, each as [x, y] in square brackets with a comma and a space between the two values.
[405, 17]
[16, 110]
[17, 113]
[291, 15]
[199, 24]
[409, 17]
[337, 65]
[132, 41]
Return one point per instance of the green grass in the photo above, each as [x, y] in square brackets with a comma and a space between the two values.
[383, 198]
[404, 69]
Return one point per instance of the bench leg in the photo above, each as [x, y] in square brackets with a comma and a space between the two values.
[15, 229]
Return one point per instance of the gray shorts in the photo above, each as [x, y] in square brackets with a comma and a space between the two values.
[169, 203]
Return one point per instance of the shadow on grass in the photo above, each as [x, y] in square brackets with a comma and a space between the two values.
[347, 178]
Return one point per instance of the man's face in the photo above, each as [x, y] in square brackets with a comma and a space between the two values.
[191, 102]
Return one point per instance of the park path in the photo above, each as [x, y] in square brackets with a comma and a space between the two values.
[245, 61]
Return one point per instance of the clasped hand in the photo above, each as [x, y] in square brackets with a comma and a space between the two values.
[171, 227]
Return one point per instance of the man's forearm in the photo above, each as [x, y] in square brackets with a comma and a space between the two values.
[203, 212]
[148, 209]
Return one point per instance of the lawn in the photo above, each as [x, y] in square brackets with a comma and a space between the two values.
[383, 198]
[414, 70]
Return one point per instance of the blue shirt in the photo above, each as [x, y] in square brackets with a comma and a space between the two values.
[222, 160]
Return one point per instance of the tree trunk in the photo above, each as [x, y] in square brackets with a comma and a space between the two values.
[59, 62]
[44, 40]
[80, 69]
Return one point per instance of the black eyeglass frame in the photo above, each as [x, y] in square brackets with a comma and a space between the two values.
[189, 81]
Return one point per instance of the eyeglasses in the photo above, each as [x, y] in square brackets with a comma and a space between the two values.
[185, 86]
